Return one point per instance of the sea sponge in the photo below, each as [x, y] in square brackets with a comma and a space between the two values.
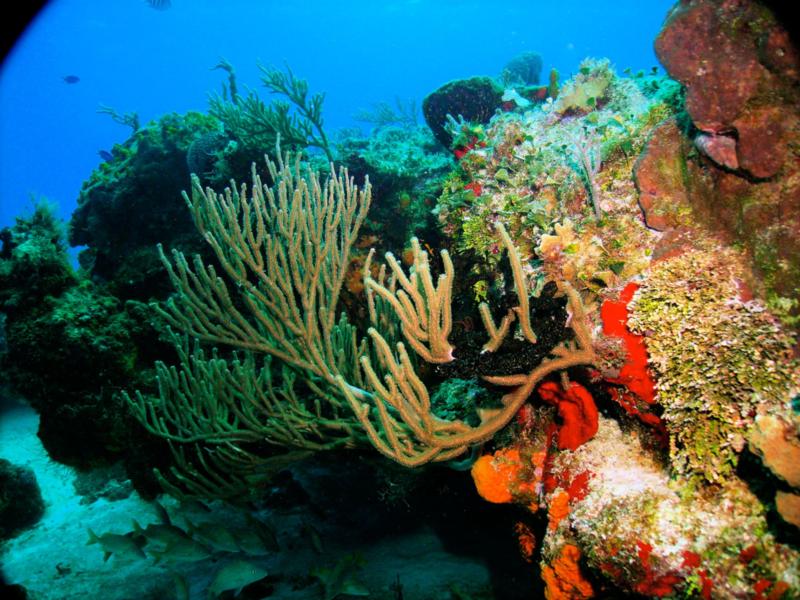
[496, 474]
[587, 90]
[563, 578]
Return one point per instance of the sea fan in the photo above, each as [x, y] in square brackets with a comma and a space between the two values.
[159, 4]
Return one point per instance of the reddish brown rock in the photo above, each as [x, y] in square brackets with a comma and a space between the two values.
[739, 66]
[761, 149]
[659, 178]
[707, 46]
[741, 69]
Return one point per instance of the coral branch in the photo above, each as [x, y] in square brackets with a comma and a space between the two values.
[423, 309]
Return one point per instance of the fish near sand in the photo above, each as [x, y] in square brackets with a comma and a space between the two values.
[235, 576]
[214, 534]
[159, 534]
[116, 544]
[180, 551]
[257, 538]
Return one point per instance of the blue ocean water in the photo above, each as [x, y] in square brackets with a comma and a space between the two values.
[133, 58]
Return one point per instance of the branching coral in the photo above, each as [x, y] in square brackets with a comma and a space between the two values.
[396, 414]
[287, 249]
[584, 156]
[423, 310]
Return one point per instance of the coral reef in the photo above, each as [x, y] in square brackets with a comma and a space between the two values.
[606, 336]
[140, 187]
[564, 196]
[405, 166]
[59, 325]
[528, 171]
[33, 261]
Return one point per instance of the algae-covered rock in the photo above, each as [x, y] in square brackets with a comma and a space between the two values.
[69, 346]
[719, 358]
[659, 174]
[133, 202]
[68, 359]
[33, 261]
[475, 99]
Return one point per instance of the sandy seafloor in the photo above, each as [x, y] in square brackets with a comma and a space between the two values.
[54, 562]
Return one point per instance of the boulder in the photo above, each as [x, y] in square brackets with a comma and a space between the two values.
[659, 175]
[21, 504]
[739, 67]
[476, 99]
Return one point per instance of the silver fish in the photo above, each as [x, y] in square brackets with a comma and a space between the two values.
[234, 576]
[159, 534]
[116, 544]
[180, 551]
[215, 535]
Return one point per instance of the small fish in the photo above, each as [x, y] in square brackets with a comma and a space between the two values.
[118, 545]
[181, 587]
[257, 539]
[215, 535]
[194, 505]
[159, 4]
[105, 155]
[182, 550]
[313, 535]
[341, 579]
[162, 513]
[159, 534]
[71, 79]
[265, 532]
[250, 543]
[234, 576]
